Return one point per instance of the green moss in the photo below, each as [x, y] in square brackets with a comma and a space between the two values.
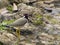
[38, 16]
[2, 28]
[51, 19]
[38, 22]
[9, 8]
[38, 19]
[8, 22]
[48, 17]
[5, 22]
[54, 21]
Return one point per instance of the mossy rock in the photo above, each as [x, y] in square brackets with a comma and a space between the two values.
[54, 21]
[10, 8]
[38, 19]
[51, 19]
[8, 22]
[48, 17]
[5, 22]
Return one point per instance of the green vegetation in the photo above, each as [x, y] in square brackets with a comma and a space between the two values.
[51, 19]
[38, 19]
[1, 43]
[2, 28]
[8, 22]
[9, 8]
[54, 21]
[48, 17]
[5, 22]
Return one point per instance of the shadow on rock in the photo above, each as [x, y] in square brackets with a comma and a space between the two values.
[26, 32]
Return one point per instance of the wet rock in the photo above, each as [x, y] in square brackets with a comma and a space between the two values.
[55, 11]
[48, 10]
[52, 11]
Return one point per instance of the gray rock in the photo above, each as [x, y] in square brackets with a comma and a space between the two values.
[3, 11]
[46, 39]
[1, 18]
[48, 2]
[28, 9]
[7, 38]
[57, 3]
[27, 1]
[52, 11]
[3, 3]
[40, 4]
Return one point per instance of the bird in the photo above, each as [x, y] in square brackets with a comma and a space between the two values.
[19, 23]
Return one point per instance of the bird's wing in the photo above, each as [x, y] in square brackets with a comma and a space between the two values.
[19, 22]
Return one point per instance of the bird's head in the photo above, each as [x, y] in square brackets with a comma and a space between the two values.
[26, 16]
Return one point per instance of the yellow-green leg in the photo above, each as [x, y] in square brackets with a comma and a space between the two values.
[18, 35]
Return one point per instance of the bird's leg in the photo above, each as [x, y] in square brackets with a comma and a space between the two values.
[18, 33]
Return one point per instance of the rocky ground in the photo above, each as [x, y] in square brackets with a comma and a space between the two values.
[45, 26]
